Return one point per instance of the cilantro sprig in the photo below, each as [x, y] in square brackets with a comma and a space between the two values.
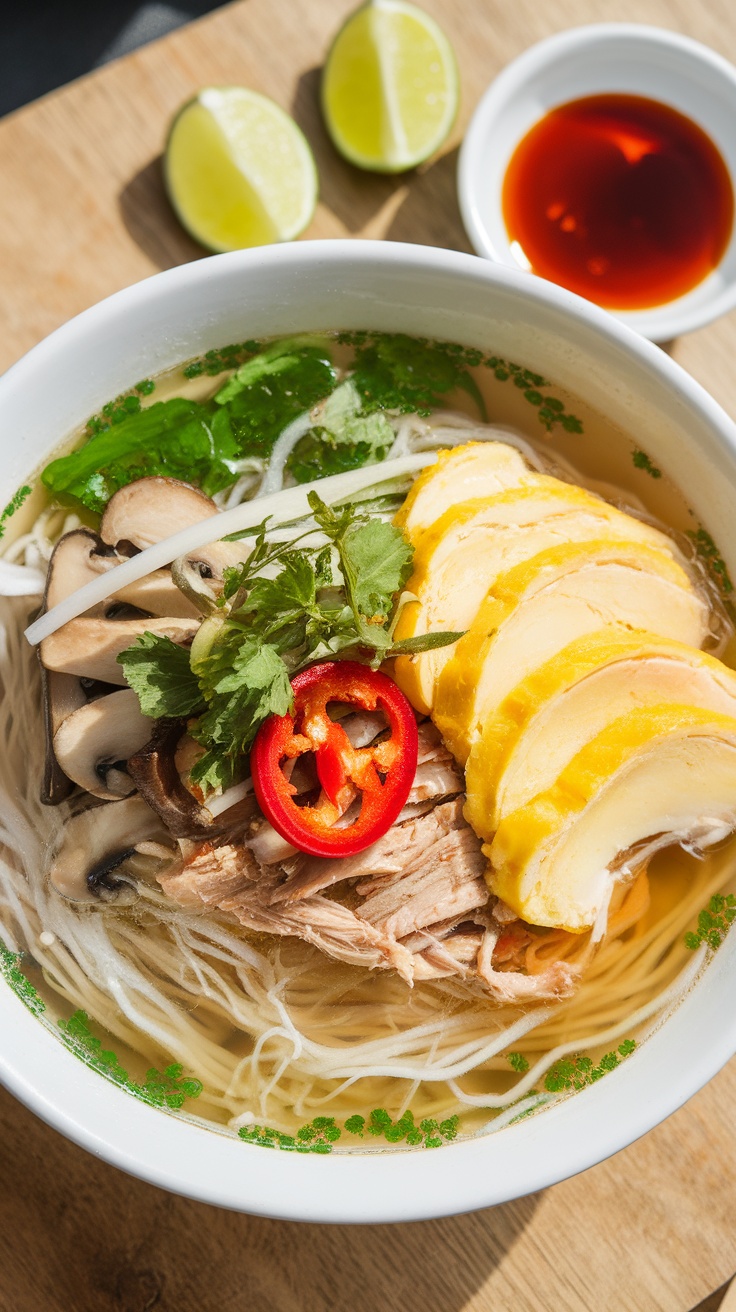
[285, 606]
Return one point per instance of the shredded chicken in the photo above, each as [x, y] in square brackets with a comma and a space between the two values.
[415, 902]
[448, 881]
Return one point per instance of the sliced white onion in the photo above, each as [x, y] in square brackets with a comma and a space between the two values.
[283, 447]
[231, 797]
[283, 506]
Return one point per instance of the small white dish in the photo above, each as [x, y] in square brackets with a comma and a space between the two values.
[584, 61]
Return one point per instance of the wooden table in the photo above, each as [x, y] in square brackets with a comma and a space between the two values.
[82, 213]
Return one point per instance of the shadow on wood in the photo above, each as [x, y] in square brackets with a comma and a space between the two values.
[430, 214]
[96, 1240]
[353, 195]
[151, 222]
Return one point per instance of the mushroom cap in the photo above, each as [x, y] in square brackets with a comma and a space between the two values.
[90, 646]
[151, 509]
[199, 575]
[93, 743]
[95, 860]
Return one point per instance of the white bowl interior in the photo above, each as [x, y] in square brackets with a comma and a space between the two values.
[607, 57]
[385, 286]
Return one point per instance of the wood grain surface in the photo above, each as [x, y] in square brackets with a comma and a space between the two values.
[82, 213]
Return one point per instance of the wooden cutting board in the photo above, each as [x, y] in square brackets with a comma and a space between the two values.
[82, 213]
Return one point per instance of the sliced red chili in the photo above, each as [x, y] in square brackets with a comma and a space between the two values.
[380, 775]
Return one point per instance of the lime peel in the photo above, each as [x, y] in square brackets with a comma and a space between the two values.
[238, 170]
[390, 87]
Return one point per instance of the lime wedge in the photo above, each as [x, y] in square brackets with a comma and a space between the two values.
[390, 87]
[238, 171]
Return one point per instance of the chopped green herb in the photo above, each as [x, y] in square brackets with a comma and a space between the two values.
[225, 357]
[550, 409]
[22, 987]
[712, 560]
[237, 672]
[714, 922]
[518, 1062]
[14, 504]
[319, 1135]
[167, 1088]
[574, 1073]
[642, 461]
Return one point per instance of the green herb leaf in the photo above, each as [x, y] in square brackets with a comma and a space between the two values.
[395, 372]
[272, 389]
[159, 672]
[243, 681]
[642, 461]
[173, 439]
[424, 642]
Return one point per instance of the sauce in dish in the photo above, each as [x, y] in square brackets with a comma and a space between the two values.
[619, 198]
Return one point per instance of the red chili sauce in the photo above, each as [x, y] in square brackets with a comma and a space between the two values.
[620, 199]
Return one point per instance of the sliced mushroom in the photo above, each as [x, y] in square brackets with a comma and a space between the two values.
[200, 574]
[70, 567]
[151, 509]
[68, 570]
[97, 859]
[155, 774]
[62, 695]
[91, 646]
[157, 594]
[94, 742]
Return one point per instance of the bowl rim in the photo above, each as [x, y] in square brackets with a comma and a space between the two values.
[178, 1154]
[660, 323]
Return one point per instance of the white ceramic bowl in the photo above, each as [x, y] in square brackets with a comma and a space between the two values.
[587, 61]
[322, 285]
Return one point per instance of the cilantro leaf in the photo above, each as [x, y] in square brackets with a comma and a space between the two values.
[377, 559]
[243, 681]
[159, 672]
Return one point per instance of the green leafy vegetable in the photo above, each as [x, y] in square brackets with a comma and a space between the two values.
[273, 388]
[342, 437]
[284, 606]
[642, 461]
[14, 504]
[159, 672]
[574, 1073]
[175, 439]
[714, 922]
[243, 681]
